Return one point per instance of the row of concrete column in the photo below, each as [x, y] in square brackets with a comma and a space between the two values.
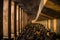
[52, 24]
[14, 19]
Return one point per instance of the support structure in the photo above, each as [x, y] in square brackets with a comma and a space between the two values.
[1, 19]
[9, 19]
[19, 19]
[15, 26]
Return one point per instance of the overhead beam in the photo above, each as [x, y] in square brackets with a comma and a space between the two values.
[42, 18]
[51, 12]
[46, 15]
[56, 1]
[52, 5]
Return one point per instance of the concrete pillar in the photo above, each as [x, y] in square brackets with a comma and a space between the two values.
[1, 19]
[55, 25]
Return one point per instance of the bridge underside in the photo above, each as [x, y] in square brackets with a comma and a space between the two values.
[50, 10]
[14, 22]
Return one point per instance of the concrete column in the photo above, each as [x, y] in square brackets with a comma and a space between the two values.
[55, 25]
[1, 19]
[48, 24]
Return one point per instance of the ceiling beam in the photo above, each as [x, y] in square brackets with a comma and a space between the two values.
[46, 16]
[52, 5]
[56, 1]
[51, 12]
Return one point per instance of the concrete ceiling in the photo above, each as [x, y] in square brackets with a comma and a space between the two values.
[51, 10]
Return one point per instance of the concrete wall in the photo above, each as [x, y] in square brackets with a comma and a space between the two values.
[23, 18]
